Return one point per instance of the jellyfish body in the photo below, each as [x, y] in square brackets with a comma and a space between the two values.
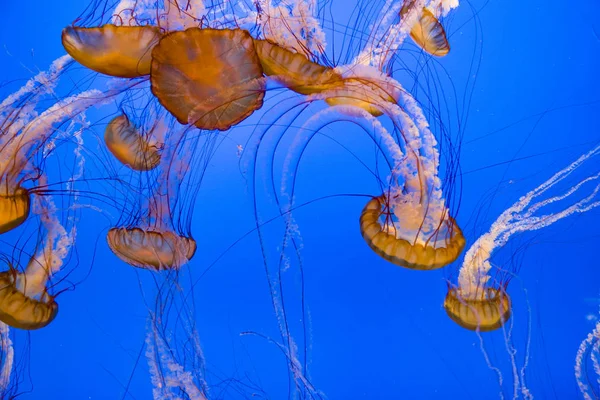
[486, 312]
[294, 70]
[150, 249]
[428, 33]
[19, 310]
[121, 51]
[128, 145]
[474, 292]
[381, 237]
[364, 87]
[14, 209]
[207, 77]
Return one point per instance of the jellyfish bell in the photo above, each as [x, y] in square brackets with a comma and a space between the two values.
[530, 212]
[398, 241]
[120, 51]
[364, 87]
[129, 146]
[486, 311]
[427, 32]
[14, 209]
[354, 85]
[294, 70]
[23, 310]
[210, 78]
[150, 249]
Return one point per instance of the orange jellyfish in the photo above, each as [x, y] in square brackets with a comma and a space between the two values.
[130, 146]
[385, 232]
[121, 51]
[207, 77]
[410, 223]
[427, 32]
[147, 237]
[475, 303]
[25, 301]
[294, 70]
[154, 248]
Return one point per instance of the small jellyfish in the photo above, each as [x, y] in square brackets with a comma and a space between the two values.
[121, 51]
[25, 302]
[341, 86]
[146, 248]
[475, 303]
[148, 235]
[427, 32]
[130, 146]
[207, 77]
[25, 310]
[484, 312]
[294, 70]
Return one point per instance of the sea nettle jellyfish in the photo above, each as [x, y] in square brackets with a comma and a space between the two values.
[25, 300]
[409, 224]
[133, 147]
[154, 230]
[477, 304]
[210, 78]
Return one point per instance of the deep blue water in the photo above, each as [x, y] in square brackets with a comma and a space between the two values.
[520, 79]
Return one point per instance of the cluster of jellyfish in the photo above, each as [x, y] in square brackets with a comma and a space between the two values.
[198, 70]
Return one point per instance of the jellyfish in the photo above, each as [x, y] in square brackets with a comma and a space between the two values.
[25, 301]
[409, 224]
[427, 32]
[146, 238]
[207, 77]
[130, 146]
[475, 303]
[120, 51]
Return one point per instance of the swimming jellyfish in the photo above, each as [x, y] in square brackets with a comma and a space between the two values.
[131, 146]
[25, 302]
[409, 224]
[474, 303]
[146, 237]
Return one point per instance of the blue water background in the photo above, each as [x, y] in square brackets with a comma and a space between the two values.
[376, 331]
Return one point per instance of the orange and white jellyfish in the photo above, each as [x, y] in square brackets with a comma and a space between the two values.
[25, 300]
[146, 236]
[409, 224]
[475, 303]
[138, 150]
[427, 31]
